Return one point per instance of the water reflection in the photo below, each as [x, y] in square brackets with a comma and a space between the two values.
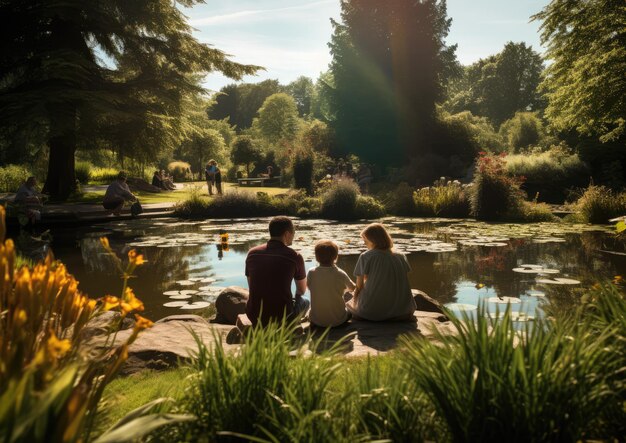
[479, 266]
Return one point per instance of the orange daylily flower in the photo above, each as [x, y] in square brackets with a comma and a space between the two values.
[105, 242]
[130, 302]
[58, 348]
[142, 322]
[136, 259]
[110, 302]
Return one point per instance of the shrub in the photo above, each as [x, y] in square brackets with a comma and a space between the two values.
[400, 200]
[83, 172]
[180, 170]
[303, 170]
[494, 195]
[103, 175]
[522, 130]
[231, 204]
[549, 173]
[599, 204]
[445, 198]
[339, 200]
[368, 207]
[12, 177]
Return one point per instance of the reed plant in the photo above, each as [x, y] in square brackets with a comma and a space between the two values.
[599, 204]
[51, 377]
[446, 198]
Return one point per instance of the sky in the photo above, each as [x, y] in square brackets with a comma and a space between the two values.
[289, 38]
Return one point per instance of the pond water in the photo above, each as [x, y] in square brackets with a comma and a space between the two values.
[458, 262]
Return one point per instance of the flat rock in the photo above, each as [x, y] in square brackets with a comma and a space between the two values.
[170, 341]
[230, 303]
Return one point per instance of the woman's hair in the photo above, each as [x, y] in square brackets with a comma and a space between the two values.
[378, 235]
[326, 252]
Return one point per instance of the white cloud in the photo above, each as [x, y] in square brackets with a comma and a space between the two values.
[254, 14]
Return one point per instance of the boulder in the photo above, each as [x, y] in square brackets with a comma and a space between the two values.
[103, 324]
[426, 303]
[229, 304]
[169, 341]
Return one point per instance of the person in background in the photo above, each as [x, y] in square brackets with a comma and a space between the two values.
[210, 170]
[157, 180]
[30, 200]
[382, 289]
[270, 270]
[116, 194]
[218, 178]
[328, 284]
[364, 177]
[168, 180]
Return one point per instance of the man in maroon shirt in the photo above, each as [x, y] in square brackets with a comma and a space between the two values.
[270, 269]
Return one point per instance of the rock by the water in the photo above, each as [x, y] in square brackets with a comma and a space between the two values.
[230, 303]
[425, 303]
[103, 324]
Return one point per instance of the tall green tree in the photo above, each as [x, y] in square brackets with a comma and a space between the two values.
[500, 85]
[389, 68]
[586, 81]
[81, 66]
[302, 90]
[240, 103]
[278, 118]
[245, 151]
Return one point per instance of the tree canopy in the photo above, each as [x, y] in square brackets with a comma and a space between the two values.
[389, 68]
[278, 118]
[500, 85]
[85, 70]
[586, 83]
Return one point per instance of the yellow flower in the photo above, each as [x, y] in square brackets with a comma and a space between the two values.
[110, 302]
[130, 302]
[20, 317]
[142, 322]
[58, 348]
[134, 258]
[224, 237]
[105, 242]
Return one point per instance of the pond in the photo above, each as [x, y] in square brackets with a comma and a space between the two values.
[458, 262]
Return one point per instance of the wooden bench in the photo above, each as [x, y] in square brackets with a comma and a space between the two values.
[259, 181]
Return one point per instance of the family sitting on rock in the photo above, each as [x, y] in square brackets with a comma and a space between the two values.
[382, 290]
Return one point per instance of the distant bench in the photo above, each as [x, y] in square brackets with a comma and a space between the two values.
[259, 181]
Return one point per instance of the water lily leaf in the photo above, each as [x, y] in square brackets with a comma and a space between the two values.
[174, 304]
[185, 283]
[558, 281]
[170, 293]
[196, 305]
[461, 307]
[180, 297]
[504, 300]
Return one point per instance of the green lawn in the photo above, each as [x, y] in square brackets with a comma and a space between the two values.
[178, 195]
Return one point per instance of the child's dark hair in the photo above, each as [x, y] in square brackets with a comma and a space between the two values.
[326, 252]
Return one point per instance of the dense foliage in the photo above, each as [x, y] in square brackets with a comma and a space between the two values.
[584, 84]
[52, 76]
[388, 69]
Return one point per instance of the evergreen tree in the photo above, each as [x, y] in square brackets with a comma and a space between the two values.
[586, 81]
[87, 68]
[389, 68]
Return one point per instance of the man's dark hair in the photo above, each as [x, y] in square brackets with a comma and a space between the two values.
[280, 225]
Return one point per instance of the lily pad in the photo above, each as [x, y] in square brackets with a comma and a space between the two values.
[170, 293]
[185, 283]
[196, 305]
[461, 307]
[180, 297]
[504, 300]
[558, 281]
[174, 304]
[188, 292]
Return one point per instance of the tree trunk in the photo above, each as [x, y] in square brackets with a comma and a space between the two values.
[61, 180]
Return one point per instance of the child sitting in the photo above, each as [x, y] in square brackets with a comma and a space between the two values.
[328, 284]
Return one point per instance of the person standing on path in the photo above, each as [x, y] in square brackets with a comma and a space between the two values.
[270, 269]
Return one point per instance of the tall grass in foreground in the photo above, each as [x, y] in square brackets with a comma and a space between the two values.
[554, 380]
[546, 382]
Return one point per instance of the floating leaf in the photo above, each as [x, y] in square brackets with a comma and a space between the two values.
[196, 305]
[174, 304]
[504, 300]
[461, 307]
